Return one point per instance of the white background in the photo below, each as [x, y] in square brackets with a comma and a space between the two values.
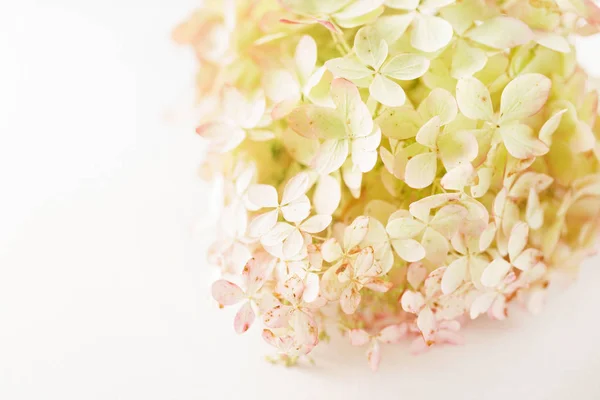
[103, 291]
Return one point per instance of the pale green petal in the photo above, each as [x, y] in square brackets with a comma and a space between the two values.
[317, 122]
[387, 92]
[348, 67]
[391, 27]
[467, 60]
[429, 132]
[370, 48]
[474, 99]
[521, 142]
[441, 103]
[406, 67]
[524, 96]
[501, 33]
[430, 33]
[306, 57]
[403, 4]
[421, 170]
[350, 106]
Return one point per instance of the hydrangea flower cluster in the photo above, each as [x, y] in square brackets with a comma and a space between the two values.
[394, 168]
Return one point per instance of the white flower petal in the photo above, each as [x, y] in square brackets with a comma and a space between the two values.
[297, 210]
[327, 195]
[262, 224]
[331, 250]
[393, 333]
[495, 272]
[331, 156]
[356, 232]
[482, 304]
[295, 188]
[409, 249]
[412, 302]
[517, 239]
[528, 259]
[263, 195]
[277, 235]
[455, 275]
[292, 244]
[316, 223]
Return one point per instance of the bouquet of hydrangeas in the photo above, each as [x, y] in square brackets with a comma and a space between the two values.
[392, 168]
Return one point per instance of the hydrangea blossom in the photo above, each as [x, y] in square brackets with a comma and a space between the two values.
[394, 168]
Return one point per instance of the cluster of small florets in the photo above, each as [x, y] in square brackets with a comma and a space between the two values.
[392, 168]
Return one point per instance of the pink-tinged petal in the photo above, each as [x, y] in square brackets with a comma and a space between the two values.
[270, 338]
[278, 316]
[295, 188]
[293, 244]
[418, 346]
[379, 285]
[536, 301]
[349, 300]
[495, 272]
[297, 210]
[316, 223]
[416, 274]
[518, 239]
[358, 337]
[263, 223]
[498, 309]
[293, 289]
[528, 259]
[227, 293]
[331, 250]
[482, 304]
[256, 271]
[374, 355]
[449, 337]
[331, 287]
[262, 195]
[455, 275]
[364, 263]
[305, 329]
[393, 333]
[427, 324]
[244, 318]
[412, 302]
